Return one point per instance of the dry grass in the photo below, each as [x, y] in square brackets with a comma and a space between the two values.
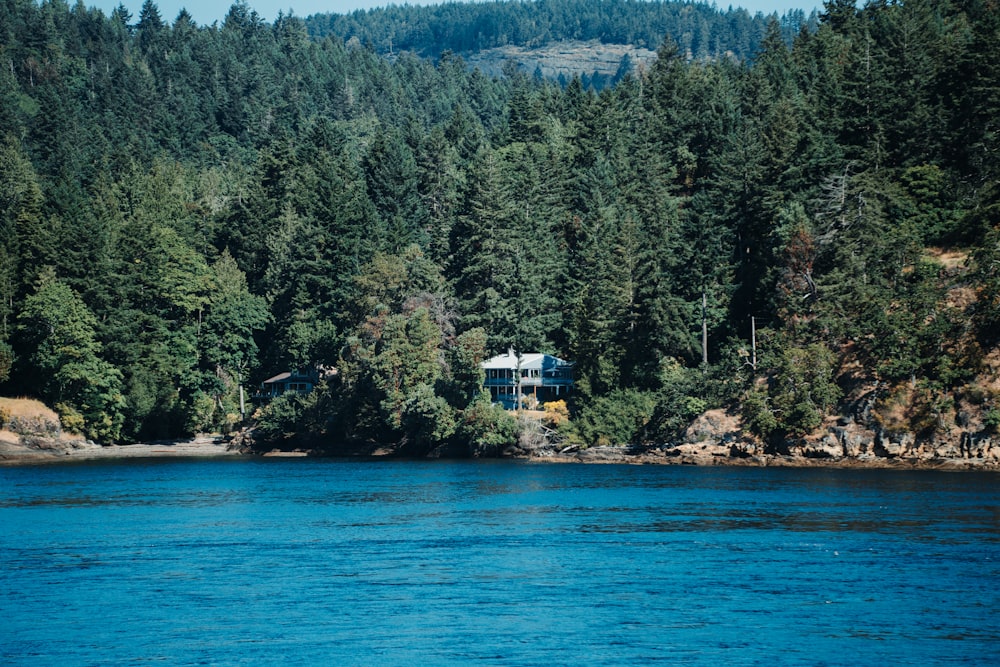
[27, 407]
[990, 376]
[950, 258]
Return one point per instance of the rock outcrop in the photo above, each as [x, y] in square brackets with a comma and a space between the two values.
[717, 438]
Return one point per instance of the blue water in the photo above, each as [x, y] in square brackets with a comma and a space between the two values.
[310, 562]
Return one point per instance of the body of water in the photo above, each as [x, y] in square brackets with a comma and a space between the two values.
[503, 563]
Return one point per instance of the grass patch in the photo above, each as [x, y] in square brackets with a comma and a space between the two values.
[26, 408]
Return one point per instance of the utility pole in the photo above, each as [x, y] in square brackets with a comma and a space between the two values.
[704, 331]
[517, 371]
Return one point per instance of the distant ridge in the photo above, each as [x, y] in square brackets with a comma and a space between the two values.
[599, 64]
[699, 29]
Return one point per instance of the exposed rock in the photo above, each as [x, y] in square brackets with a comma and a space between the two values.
[828, 447]
[603, 454]
[715, 425]
[716, 438]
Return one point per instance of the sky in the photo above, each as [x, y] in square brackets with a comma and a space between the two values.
[205, 12]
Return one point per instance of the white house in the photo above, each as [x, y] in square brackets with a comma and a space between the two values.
[509, 376]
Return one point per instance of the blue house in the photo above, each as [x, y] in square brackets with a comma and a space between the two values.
[542, 376]
[289, 381]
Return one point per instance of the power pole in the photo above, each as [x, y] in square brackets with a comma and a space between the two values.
[517, 371]
[704, 331]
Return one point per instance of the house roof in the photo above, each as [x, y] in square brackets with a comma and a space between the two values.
[289, 377]
[529, 360]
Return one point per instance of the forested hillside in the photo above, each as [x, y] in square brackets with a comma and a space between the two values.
[185, 209]
[698, 29]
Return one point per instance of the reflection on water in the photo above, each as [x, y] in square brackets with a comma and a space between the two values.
[347, 562]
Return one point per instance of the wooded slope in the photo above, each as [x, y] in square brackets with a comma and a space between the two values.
[184, 209]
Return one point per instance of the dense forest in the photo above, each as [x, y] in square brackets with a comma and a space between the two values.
[697, 28]
[810, 232]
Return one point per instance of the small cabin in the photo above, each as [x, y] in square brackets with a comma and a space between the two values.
[511, 376]
[289, 381]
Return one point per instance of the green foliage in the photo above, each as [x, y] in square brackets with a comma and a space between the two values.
[679, 401]
[615, 419]
[486, 429]
[758, 415]
[913, 408]
[282, 417]
[800, 393]
[71, 419]
[234, 316]
[427, 418]
[6, 361]
[991, 420]
[466, 373]
[59, 330]
[700, 30]
[187, 209]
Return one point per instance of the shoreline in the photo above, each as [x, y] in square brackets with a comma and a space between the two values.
[215, 447]
[60, 451]
[778, 461]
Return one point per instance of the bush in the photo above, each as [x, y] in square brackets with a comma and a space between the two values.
[991, 420]
[679, 402]
[281, 417]
[71, 419]
[800, 392]
[556, 413]
[427, 418]
[615, 419]
[757, 413]
[488, 429]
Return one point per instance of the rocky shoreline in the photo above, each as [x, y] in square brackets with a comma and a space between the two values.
[66, 449]
[715, 455]
[713, 440]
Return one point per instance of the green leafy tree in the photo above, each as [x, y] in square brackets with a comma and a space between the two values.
[59, 331]
[800, 394]
[227, 345]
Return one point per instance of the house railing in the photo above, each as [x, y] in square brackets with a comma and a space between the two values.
[548, 381]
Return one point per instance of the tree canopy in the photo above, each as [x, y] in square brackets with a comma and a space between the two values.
[185, 210]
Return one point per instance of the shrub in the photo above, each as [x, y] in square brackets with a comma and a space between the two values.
[680, 400]
[427, 418]
[991, 420]
[757, 413]
[280, 418]
[919, 409]
[615, 419]
[556, 413]
[488, 429]
[71, 419]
